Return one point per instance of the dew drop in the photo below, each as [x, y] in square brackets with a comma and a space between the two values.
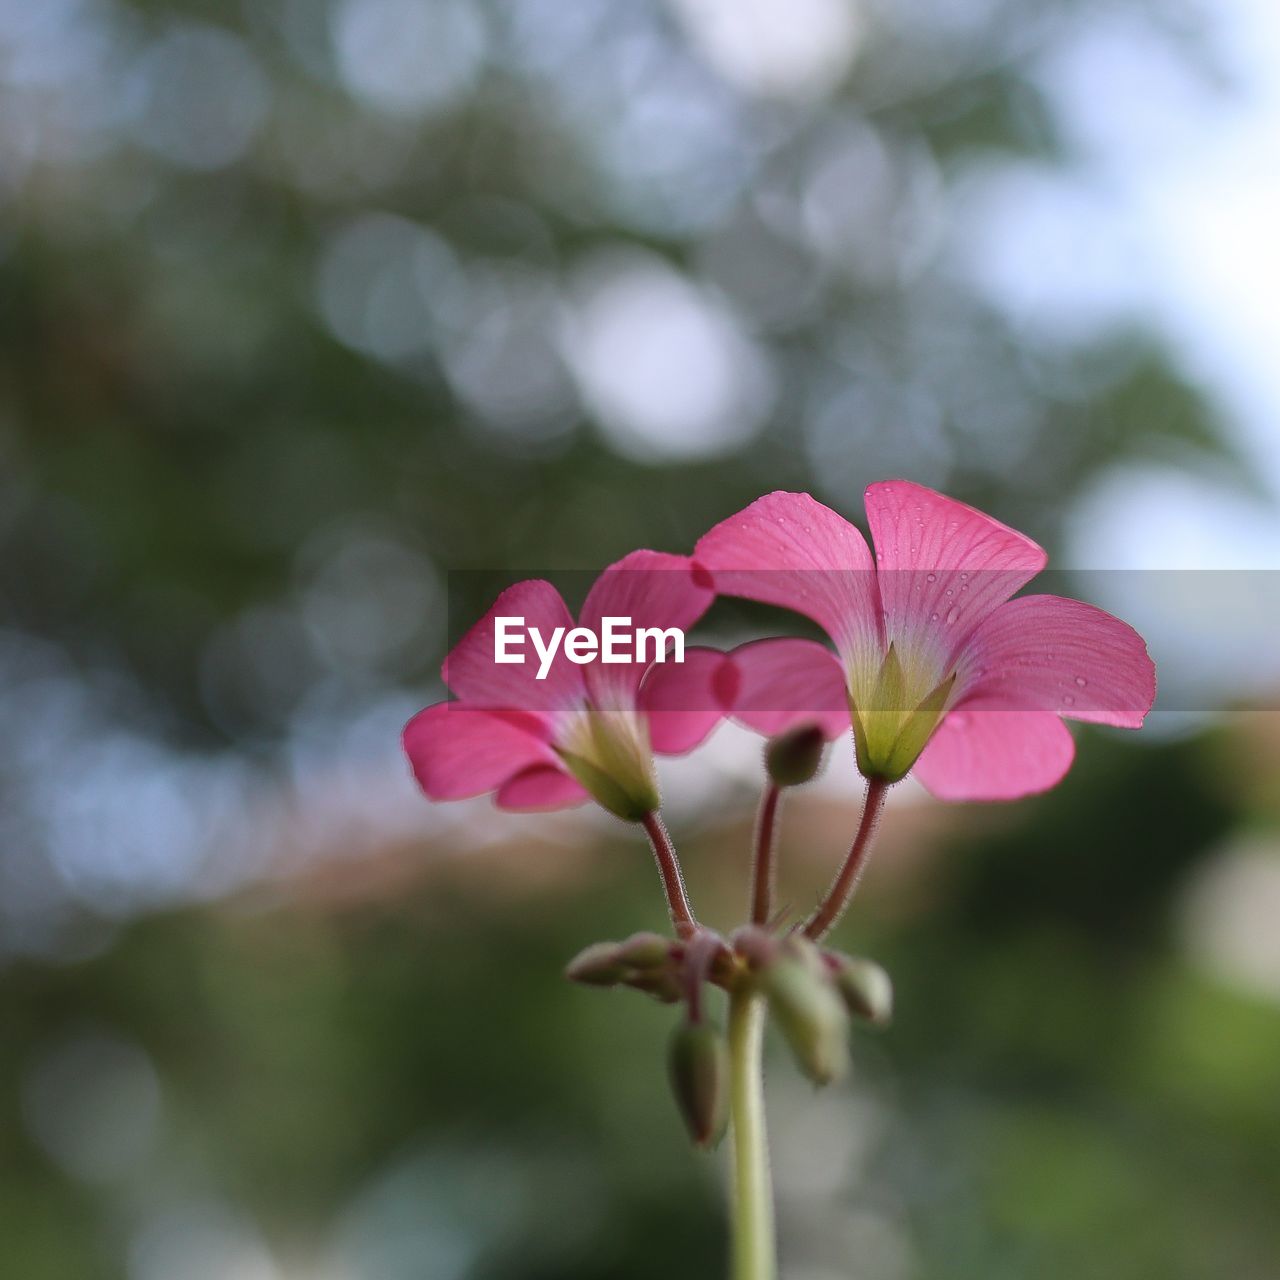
[1081, 681]
[1068, 699]
[952, 615]
[931, 577]
[964, 577]
[933, 617]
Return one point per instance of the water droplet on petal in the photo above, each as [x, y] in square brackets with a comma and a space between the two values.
[933, 617]
[1081, 681]
[952, 615]
[931, 577]
[1068, 699]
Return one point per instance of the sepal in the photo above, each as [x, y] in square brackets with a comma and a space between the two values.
[698, 1062]
[808, 1010]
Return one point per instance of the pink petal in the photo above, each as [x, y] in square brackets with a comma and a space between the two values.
[981, 754]
[787, 549]
[653, 589]
[541, 788]
[783, 683]
[1047, 653]
[458, 751]
[682, 702]
[472, 672]
[943, 567]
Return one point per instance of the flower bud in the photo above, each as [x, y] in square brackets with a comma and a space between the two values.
[598, 965]
[662, 984]
[809, 1011]
[699, 1065]
[645, 951]
[795, 757]
[865, 988]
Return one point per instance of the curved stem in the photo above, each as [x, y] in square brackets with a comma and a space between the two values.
[754, 1250]
[763, 865]
[837, 899]
[672, 880]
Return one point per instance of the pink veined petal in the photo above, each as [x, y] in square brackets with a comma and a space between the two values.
[682, 701]
[943, 566]
[472, 672]
[783, 683]
[540, 788]
[984, 754]
[1065, 656]
[457, 751]
[788, 549]
[654, 590]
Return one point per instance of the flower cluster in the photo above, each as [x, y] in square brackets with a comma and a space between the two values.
[934, 665]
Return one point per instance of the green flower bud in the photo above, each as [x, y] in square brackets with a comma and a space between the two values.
[809, 1011]
[645, 951]
[795, 757]
[662, 984]
[699, 1065]
[598, 965]
[865, 988]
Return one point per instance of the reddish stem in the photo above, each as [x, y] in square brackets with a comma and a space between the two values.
[701, 950]
[837, 899]
[763, 865]
[672, 881]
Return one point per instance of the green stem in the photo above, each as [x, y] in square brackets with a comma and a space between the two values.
[754, 1248]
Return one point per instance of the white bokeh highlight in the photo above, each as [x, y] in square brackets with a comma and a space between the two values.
[664, 365]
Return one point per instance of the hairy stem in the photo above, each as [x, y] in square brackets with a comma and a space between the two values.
[754, 1251]
[833, 905]
[672, 880]
[763, 866]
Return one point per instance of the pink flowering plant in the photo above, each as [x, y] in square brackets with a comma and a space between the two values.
[935, 668]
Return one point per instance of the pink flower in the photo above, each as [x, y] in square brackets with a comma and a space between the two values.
[935, 667]
[582, 731]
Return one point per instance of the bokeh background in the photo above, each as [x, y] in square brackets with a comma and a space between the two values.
[323, 320]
